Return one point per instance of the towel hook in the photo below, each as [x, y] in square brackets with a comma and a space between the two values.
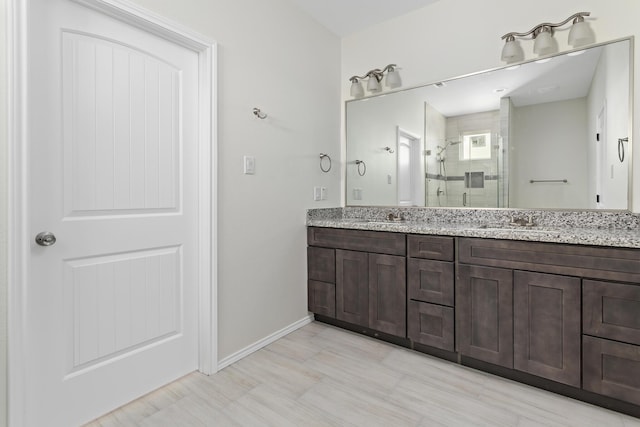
[388, 149]
[259, 114]
[322, 157]
[361, 171]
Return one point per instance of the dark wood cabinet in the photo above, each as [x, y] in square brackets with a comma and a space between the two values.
[546, 312]
[321, 264]
[611, 368]
[387, 294]
[484, 312]
[321, 298]
[352, 287]
[371, 291]
[359, 277]
[431, 281]
[431, 324]
[430, 291]
[561, 317]
[611, 310]
[321, 275]
[611, 344]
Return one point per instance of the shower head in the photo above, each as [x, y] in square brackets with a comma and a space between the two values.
[446, 145]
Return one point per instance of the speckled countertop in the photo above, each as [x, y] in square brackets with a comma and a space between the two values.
[618, 229]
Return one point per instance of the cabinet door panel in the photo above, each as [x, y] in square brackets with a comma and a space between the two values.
[430, 281]
[612, 310]
[321, 264]
[431, 324]
[484, 313]
[322, 298]
[547, 326]
[352, 287]
[387, 294]
[611, 368]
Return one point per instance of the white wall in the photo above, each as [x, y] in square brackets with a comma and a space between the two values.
[536, 153]
[274, 57]
[456, 37]
[373, 126]
[3, 219]
[608, 90]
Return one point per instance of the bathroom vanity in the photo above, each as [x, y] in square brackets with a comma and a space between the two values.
[503, 299]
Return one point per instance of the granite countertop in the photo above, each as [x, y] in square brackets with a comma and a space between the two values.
[599, 234]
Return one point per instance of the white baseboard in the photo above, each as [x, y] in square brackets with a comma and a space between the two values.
[263, 342]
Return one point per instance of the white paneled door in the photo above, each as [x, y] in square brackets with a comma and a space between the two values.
[111, 309]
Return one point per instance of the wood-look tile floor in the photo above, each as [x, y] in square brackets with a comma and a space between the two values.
[324, 376]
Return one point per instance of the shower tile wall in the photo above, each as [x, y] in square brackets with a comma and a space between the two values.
[456, 167]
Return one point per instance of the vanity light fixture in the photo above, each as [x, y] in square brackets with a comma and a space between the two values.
[544, 43]
[374, 77]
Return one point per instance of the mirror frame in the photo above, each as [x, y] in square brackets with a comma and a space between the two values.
[630, 39]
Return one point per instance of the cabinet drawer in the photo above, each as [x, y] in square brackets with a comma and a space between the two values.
[430, 281]
[430, 247]
[611, 368]
[431, 325]
[321, 264]
[358, 240]
[321, 298]
[571, 260]
[611, 310]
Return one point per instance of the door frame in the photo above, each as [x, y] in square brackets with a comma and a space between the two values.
[18, 183]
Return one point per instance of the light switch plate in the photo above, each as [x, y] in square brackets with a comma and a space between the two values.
[249, 165]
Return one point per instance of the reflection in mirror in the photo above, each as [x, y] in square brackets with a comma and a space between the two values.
[543, 134]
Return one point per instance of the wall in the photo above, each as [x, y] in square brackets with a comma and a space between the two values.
[443, 40]
[373, 126]
[3, 218]
[608, 92]
[274, 57]
[536, 153]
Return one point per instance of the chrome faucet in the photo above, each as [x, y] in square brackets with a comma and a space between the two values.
[521, 222]
[394, 217]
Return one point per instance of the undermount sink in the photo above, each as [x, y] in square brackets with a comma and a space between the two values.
[520, 229]
[387, 222]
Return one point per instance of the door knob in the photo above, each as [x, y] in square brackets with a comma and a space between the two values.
[46, 238]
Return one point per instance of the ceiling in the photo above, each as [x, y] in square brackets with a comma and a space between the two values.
[344, 17]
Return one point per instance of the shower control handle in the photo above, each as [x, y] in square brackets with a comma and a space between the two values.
[46, 238]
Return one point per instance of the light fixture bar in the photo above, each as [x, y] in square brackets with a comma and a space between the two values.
[536, 30]
[579, 35]
[374, 78]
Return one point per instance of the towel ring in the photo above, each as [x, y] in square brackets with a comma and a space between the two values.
[361, 171]
[621, 148]
[322, 157]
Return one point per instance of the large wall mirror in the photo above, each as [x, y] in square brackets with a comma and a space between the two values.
[547, 134]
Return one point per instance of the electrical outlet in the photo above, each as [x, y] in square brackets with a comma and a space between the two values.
[317, 193]
[357, 194]
[323, 193]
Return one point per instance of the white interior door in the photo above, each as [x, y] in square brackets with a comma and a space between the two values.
[410, 170]
[111, 309]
